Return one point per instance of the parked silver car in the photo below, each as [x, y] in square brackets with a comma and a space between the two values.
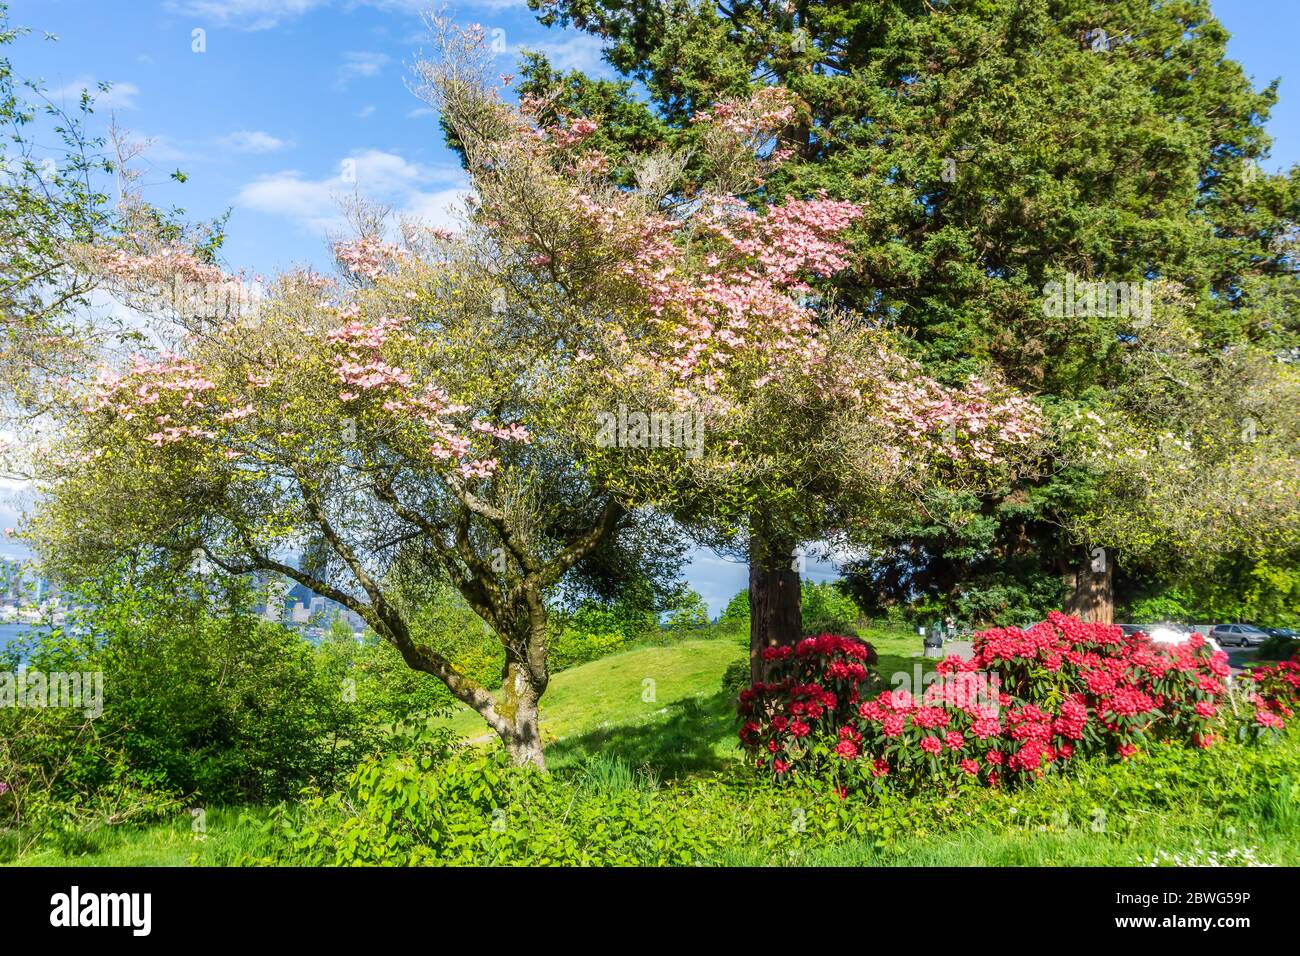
[1238, 635]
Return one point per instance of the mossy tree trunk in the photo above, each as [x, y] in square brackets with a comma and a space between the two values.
[517, 713]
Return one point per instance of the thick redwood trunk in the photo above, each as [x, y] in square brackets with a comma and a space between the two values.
[775, 608]
[1092, 596]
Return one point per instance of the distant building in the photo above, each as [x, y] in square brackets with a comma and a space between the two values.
[276, 592]
[288, 602]
[22, 585]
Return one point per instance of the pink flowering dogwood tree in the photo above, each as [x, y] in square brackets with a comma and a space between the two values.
[454, 405]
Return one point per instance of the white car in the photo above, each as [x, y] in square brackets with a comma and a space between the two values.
[1174, 634]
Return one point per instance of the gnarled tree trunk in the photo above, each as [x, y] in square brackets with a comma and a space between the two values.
[516, 709]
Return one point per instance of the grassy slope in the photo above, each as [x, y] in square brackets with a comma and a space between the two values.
[602, 706]
[609, 691]
[689, 726]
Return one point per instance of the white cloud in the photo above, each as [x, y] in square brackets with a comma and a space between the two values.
[578, 52]
[253, 141]
[443, 209]
[361, 64]
[287, 194]
[365, 112]
[245, 14]
[314, 204]
[120, 96]
[388, 173]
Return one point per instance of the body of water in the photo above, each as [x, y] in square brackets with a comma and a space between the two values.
[10, 632]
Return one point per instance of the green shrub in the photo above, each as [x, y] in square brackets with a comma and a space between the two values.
[63, 779]
[826, 610]
[735, 678]
[203, 702]
[690, 613]
[436, 805]
[1278, 649]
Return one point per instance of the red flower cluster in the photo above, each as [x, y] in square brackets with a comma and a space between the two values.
[820, 680]
[1276, 692]
[1026, 702]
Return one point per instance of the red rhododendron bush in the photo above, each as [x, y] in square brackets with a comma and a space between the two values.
[1028, 702]
[1276, 691]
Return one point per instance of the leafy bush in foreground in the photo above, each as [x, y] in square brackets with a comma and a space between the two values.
[426, 804]
[435, 802]
[202, 703]
[1276, 691]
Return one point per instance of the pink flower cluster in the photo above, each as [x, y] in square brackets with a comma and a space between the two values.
[159, 266]
[973, 423]
[575, 132]
[170, 392]
[744, 300]
[368, 257]
[365, 374]
[767, 110]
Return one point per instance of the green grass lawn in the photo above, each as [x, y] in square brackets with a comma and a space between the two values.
[688, 726]
[661, 707]
[1170, 845]
[228, 833]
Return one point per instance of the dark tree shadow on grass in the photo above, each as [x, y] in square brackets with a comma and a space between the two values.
[697, 735]
[891, 664]
[682, 742]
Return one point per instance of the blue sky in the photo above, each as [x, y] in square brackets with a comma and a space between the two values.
[287, 98]
[280, 95]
